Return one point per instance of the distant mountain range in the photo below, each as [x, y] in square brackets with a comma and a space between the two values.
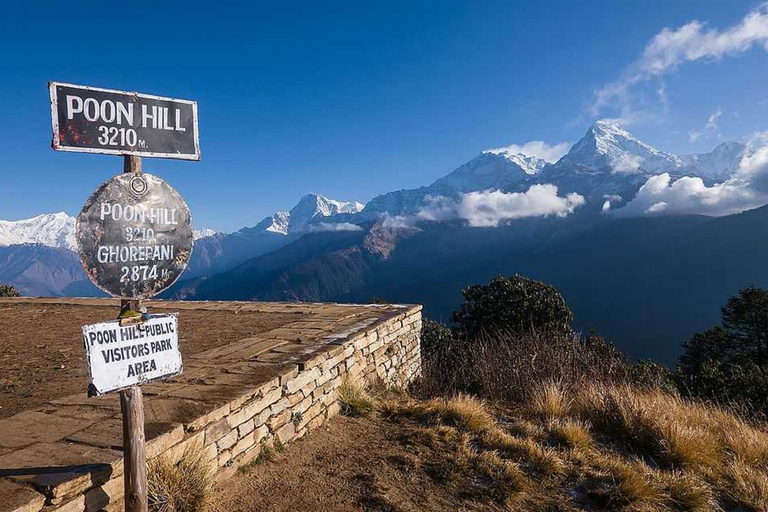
[627, 267]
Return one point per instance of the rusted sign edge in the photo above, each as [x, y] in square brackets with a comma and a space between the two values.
[86, 268]
[56, 142]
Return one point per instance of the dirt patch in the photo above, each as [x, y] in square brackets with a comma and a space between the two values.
[349, 465]
[42, 356]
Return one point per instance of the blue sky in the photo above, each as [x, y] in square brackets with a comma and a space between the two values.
[352, 100]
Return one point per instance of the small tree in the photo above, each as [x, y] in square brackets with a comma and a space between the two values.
[515, 305]
[714, 344]
[7, 290]
[745, 317]
[731, 362]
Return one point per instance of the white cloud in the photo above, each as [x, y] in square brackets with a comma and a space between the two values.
[746, 189]
[689, 195]
[398, 221]
[437, 209]
[492, 207]
[671, 48]
[610, 199]
[626, 163]
[712, 121]
[538, 148]
[330, 226]
[711, 126]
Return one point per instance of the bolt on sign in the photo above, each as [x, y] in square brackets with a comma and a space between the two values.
[123, 356]
[134, 236]
[94, 120]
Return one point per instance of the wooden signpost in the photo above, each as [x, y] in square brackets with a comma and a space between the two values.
[134, 237]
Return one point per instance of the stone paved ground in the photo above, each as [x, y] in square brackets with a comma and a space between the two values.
[73, 443]
[41, 352]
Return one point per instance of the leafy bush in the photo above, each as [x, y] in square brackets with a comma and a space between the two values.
[7, 290]
[648, 374]
[515, 305]
[514, 334]
[435, 335]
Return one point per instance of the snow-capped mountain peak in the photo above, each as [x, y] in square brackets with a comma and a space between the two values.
[309, 207]
[316, 205]
[279, 223]
[720, 163]
[608, 145]
[203, 233]
[531, 165]
[51, 229]
[493, 168]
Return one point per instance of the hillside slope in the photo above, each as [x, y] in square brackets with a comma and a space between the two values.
[646, 282]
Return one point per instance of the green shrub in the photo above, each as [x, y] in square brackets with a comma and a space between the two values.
[7, 290]
[435, 335]
[515, 305]
[646, 373]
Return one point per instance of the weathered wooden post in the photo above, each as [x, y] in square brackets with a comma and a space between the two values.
[132, 408]
[134, 237]
[134, 453]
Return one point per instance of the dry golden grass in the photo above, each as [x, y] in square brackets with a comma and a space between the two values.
[505, 473]
[183, 486]
[354, 401]
[538, 458]
[631, 481]
[550, 401]
[462, 411]
[573, 433]
[601, 447]
[748, 486]
[748, 444]
[689, 492]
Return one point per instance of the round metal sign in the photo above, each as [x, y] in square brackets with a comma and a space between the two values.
[134, 236]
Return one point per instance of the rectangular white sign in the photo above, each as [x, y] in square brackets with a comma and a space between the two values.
[123, 356]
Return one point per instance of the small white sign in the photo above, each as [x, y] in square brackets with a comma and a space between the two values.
[123, 356]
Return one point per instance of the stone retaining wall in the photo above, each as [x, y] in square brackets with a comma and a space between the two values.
[253, 393]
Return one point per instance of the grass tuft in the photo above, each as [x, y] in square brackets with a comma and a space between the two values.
[572, 433]
[354, 401]
[748, 486]
[183, 486]
[532, 455]
[631, 482]
[464, 411]
[689, 492]
[267, 453]
[549, 401]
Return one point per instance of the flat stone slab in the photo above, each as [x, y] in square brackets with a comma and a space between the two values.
[19, 498]
[59, 469]
[30, 427]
